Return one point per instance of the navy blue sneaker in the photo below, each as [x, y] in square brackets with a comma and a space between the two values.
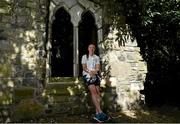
[104, 116]
[101, 117]
[98, 118]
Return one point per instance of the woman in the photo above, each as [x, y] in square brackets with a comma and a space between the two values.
[91, 67]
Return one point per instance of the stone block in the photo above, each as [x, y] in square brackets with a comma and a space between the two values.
[29, 74]
[75, 13]
[4, 45]
[30, 82]
[17, 71]
[130, 56]
[98, 18]
[5, 8]
[57, 2]
[23, 3]
[6, 19]
[27, 110]
[136, 86]
[70, 3]
[121, 57]
[6, 98]
[32, 4]
[84, 3]
[5, 70]
[22, 92]
[59, 89]
[23, 11]
[17, 81]
[23, 21]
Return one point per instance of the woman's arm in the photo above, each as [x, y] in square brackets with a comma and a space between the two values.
[84, 66]
[97, 67]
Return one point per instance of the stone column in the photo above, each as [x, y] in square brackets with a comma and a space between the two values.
[76, 52]
[48, 59]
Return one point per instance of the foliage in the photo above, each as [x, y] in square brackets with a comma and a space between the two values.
[156, 26]
[158, 38]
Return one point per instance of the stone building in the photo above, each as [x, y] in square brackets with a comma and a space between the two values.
[45, 39]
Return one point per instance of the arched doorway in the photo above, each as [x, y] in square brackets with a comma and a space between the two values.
[79, 23]
[87, 35]
[62, 45]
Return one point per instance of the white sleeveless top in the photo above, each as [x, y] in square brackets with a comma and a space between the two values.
[91, 62]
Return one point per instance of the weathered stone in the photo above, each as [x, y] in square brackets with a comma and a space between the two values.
[75, 13]
[6, 98]
[24, 30]
[32, 4]
[5, 9]
[130, 56]
[5, 70]
[70, 3]
[27, 110]
[23, 11]
[21, 93]
[6, 19]
[30, 82]
[29, 74]
[5, 45]
[23, 21]
[121, 57]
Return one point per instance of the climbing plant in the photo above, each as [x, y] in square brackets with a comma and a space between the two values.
[155, 24]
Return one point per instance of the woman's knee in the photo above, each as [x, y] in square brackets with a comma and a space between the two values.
[92, 89]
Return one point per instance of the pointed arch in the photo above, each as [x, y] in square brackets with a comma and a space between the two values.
[87, 34]
[62, 45]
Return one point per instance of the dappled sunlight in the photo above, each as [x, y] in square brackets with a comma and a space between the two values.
[70, 89]
[130, 113]
[126, 70]
[10, 84]
[30, 35]
[21, 64]
[5, 98]
[145, 112]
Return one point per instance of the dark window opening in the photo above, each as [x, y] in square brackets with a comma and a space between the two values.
[62, 45]
[87, 35]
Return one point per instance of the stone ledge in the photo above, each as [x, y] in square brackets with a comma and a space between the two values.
[23, 93]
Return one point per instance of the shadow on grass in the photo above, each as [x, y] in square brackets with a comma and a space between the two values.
[163, 114]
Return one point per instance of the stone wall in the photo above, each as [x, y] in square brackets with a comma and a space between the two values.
[22, 36]
[124, 69]
[23, 60]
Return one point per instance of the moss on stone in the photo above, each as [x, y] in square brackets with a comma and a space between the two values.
[5, 9]
[23, 93]
[5, 98]
[58, 89]
[5, 70]
[62, 79]
[28, 109]
[4, 3]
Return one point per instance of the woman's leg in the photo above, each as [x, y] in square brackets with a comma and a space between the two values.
[98, 94]
[95, 97]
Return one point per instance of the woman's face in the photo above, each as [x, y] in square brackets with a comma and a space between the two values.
[91, 49]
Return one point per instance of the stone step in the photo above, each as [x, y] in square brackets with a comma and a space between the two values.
[59, 88]
[23, 92]
[70, 107]
[66, 97]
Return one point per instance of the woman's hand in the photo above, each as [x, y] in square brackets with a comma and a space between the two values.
[92, 73]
